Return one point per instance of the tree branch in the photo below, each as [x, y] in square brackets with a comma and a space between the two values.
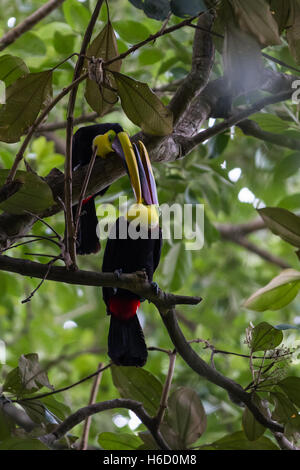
[81, 414]
[135, 282]
[212, 375]
[251, 128]
[28, 23]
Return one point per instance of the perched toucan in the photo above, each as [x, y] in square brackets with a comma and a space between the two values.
[82, 148]
[127, 254]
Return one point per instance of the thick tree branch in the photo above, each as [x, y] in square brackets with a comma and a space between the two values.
[135, 282]
[202, 62]
[28, 23]
[251, 128]
[81, 414]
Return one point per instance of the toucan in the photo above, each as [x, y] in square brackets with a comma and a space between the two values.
[87, 241]
[134, 244]
[124, 252]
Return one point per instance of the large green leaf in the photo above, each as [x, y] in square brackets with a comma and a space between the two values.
[30, 44]
[270, 122]
[131, 31]
[252, 428]
[104, 46]
[12, 68]
[239, 441]
[287, 167]
[278, 293]
[34, 195]
[291, 387]
[138, 384]
[284, 408]
[112, 441]
[143, 107]
[24, 100]
[265, 337]
[283, 223]
[76, 15]
[15, 443]
[186, 416]
[255, 18]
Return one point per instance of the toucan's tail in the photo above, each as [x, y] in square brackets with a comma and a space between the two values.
[87, 240]
[126, 343]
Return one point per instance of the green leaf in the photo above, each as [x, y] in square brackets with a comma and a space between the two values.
[270, 122]
[24, 100]
[265, 337]
[59, 409]
[187, 8]
[27, 378]
[143, 107]
[292, 428]
[7, 425]
[34, 195]
[252, 428]
[131, 31]
[16, 443]
[186, 416]
[64, 43]
[291, 387]
[287, 167]
[150, 56]
[256, 19]
[277, 294]
[290, 202]
[283, 223]
[29, 43]
[239, 441]
[11, 68]
[135, 383]
[76, 15]
[284, 408]
[112, 441]
[104, 46]
[38, 412]
[177, 266]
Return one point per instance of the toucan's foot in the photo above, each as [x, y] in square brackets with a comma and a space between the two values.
[155, 287]
[117, 273]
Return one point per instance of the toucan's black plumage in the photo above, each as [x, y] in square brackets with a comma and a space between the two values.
[126, 344]
[82, 150]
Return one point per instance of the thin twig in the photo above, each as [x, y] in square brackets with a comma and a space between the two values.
[166, 390]
[69, 222]
[87, 424]
[83, 190]
[50, 263]
[68, 387]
